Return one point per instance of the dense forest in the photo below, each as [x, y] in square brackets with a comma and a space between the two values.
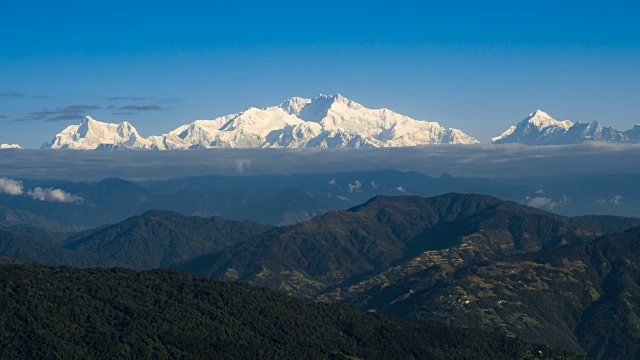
[59, 312]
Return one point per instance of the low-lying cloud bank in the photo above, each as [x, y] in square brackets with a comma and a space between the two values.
[15, 188]
[481, 160]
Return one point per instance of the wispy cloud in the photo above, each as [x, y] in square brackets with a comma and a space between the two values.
[15, 94]
[53, 195]
[132, 109]
[143, 108]
[139, 98]
[617, 200]
[72, 112]
[12, 95]
[355, 187]
[542, 202]
[122, 113]
[128, 98]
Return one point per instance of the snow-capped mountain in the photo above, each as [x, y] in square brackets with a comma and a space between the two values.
[541, 129]
[10, 146]
[322, 122]
[536, 129]
[591, 131]
[91, 134]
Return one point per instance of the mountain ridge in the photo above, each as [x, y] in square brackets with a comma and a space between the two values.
[539, 128]
[326, 121]
[404, 233]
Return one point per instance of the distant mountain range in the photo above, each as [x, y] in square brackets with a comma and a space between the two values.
[289, 199]
[326, 121]
[321, 122]
[539, 128]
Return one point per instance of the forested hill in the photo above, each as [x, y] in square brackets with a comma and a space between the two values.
[59, 312]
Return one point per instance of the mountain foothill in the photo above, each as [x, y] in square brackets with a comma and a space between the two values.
[457, 260]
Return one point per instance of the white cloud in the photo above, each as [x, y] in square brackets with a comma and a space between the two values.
[332, 181]
[15, 188]
[343, 198]
[356, 186]
[374, 185]
[401, 189]
[54, 195]
[601, 201]
[617, 200]
[542, 202]
[11, 187]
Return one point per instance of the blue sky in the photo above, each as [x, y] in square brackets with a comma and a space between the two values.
[477, 67]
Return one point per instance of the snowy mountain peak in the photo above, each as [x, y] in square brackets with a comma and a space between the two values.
[505, 134]
[541, 120]
[316, 109]
[536, 129]
[325, 121]
[92, 134]
[10, 146]
[339, 99]
[539, 128]
[539, 113]
[294, 105]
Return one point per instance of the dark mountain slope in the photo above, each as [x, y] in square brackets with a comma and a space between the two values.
[159, 238]
[34, 250]
[14, 218]
[385, 239]
[606, 224]
[580, 297]
[105, 314]
[610, 328]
